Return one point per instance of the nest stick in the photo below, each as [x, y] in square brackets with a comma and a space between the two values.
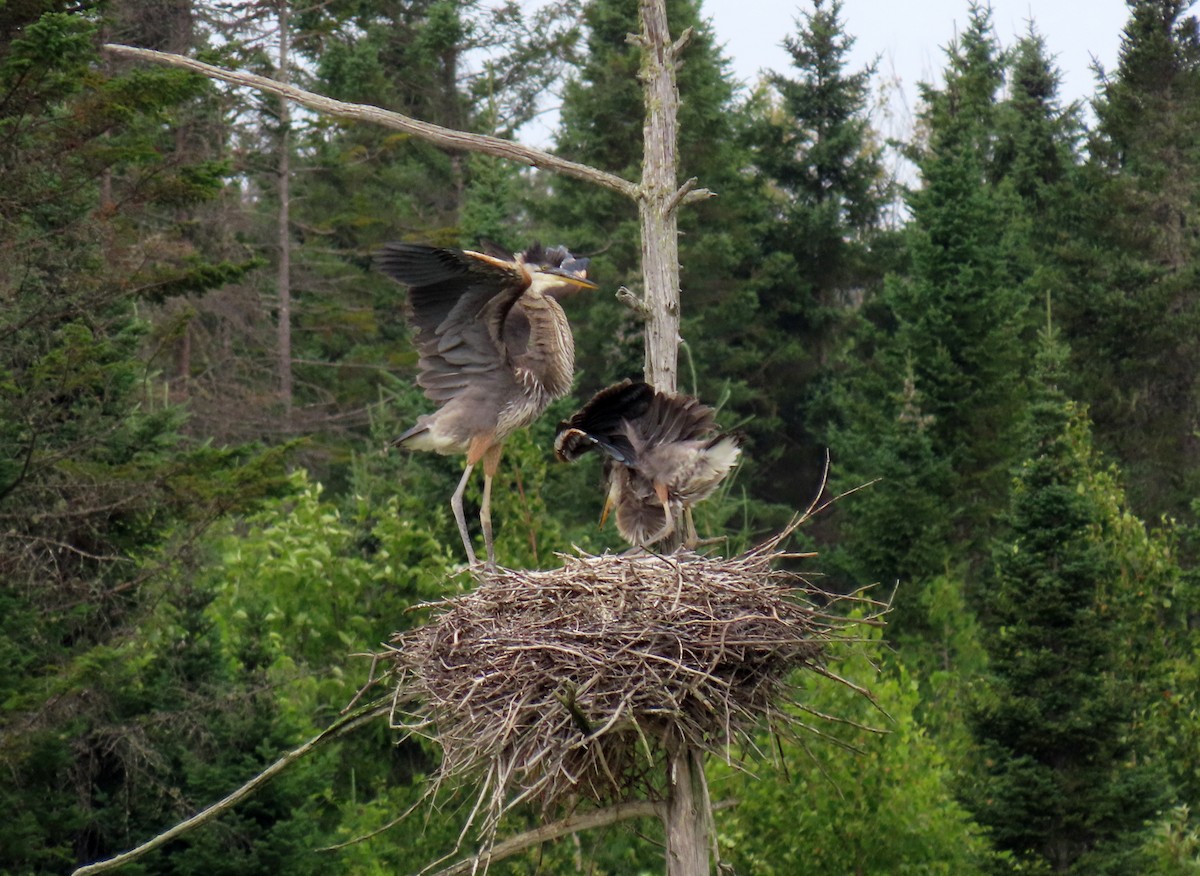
[663, 659]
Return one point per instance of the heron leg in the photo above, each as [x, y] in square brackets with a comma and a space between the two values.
[456, 505]
[691, 538]
[660, 490]
[491, 462]
[485, 519]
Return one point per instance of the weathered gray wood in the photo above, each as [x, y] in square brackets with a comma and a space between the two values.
[445, 137]
[686, 814]
[284, 268]
[572, 824]
[660, 241]
[340, 727]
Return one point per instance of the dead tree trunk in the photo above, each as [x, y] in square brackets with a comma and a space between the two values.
[657, 199]
[283, 282]
[686, 813]
[685, 816]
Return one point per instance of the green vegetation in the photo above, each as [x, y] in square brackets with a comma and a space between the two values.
[192, 568]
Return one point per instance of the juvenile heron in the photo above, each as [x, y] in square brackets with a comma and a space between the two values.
[663, 456]
[495, 349]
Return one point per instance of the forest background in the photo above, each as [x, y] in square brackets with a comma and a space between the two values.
[199, 533]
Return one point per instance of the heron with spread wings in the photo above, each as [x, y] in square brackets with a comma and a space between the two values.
[663, 454]
[495, 349]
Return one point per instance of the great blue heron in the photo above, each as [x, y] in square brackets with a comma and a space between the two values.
[663, 456]
[495, 349]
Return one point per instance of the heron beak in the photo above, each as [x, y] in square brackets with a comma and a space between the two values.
[574, 273]
[578, 280]
[608, 504]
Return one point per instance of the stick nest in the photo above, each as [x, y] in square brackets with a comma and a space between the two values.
[572, 683]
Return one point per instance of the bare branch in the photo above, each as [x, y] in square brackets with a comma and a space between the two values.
[63, 546]
[637, 305]
[697, 195]
[680, 44]
[688, 193]
[24, 472]
[444, 137]
[552, 831]
[338, 728]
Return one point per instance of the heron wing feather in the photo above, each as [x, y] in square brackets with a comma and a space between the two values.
[604, 417]
[675, 418]
[457, 304]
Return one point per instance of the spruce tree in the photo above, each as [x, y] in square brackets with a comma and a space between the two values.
[961, 312]
[1133, 315]
[826, 190]
[943, 346]
[1060, 780]
[1037, 137]
[101, 497]
[601, 124]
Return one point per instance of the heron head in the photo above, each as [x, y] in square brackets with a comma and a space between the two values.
[556, 272]
[571, 443]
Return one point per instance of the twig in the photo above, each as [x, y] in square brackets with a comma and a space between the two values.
[637, 305]
[444, 137]
[687, 194]
[680, 44]
[551, 683]
[337, 728]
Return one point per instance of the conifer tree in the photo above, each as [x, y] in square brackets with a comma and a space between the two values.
[826, 191]
[1133, 315]
[1060, 779]
[95, 477]
[961, 312]
[1036, 141]
[940, 355]
[602, 118]
[357, 186]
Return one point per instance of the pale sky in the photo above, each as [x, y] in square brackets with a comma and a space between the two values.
[908, 36]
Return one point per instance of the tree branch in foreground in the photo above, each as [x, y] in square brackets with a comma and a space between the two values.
[338, 728]
[444, 137]
[564, 827]
[552, 831]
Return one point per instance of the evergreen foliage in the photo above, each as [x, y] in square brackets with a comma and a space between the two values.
[176, 611]
[825, 191]
[602, 117]
[1133, 316]
[1064, 783]
[961, 313]
[114, 685]
[882, 804]
[933, 400]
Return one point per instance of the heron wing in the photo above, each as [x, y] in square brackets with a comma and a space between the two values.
[458, 305]
[603, 420]
[667, 419]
